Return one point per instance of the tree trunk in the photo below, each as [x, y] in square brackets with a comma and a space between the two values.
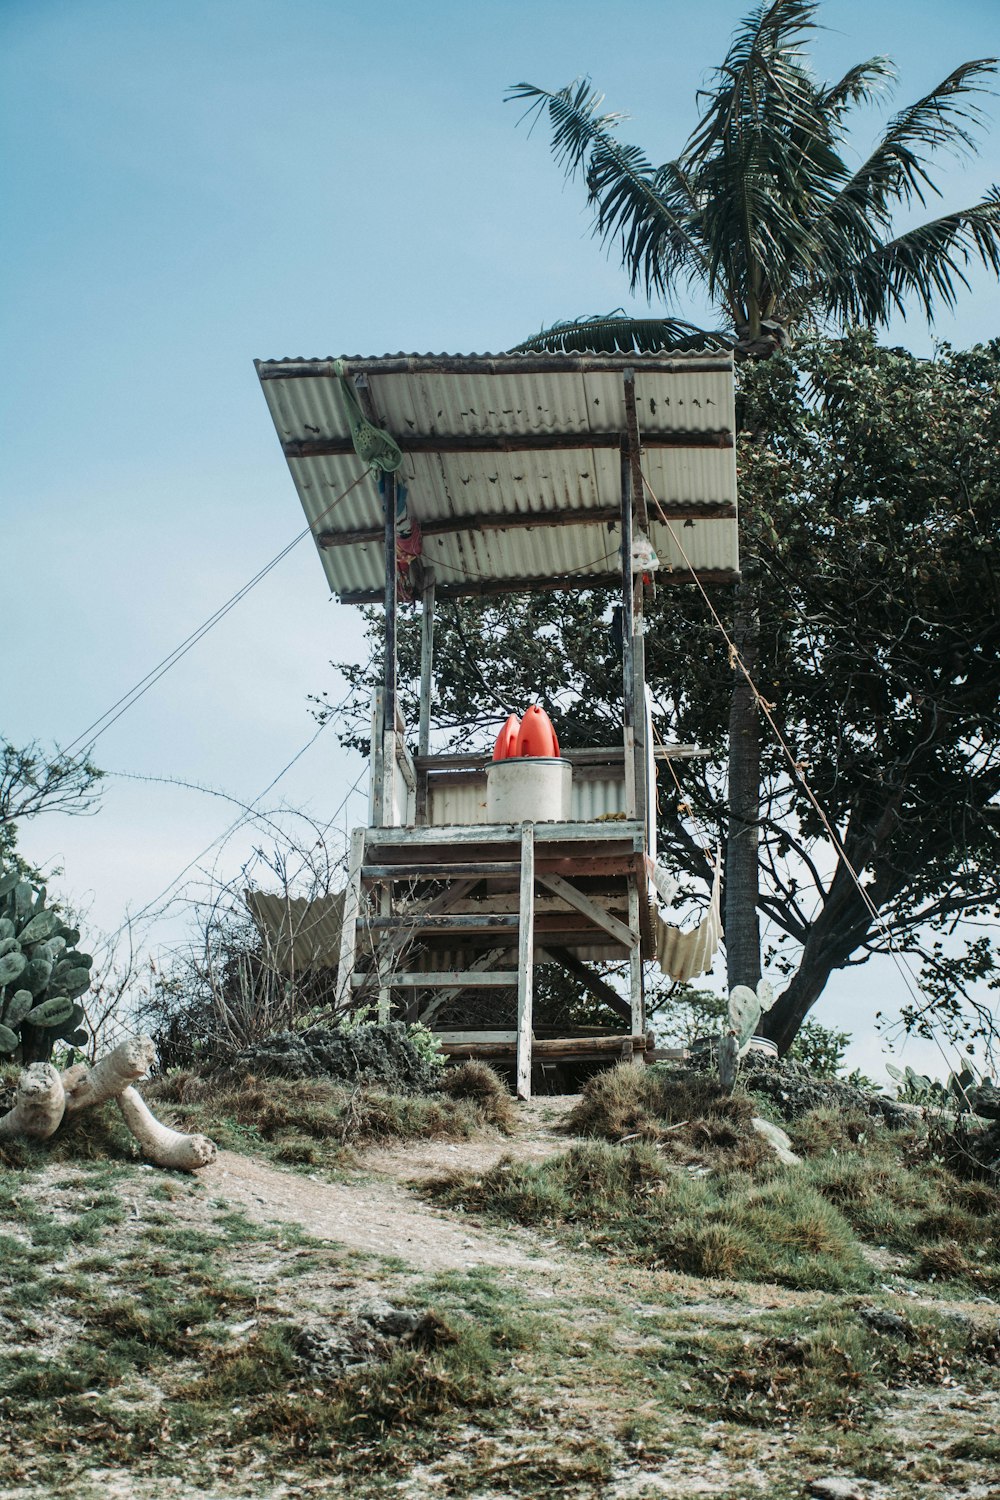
[781, 1023]
[742, 925]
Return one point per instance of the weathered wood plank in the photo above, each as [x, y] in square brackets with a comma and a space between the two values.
[578, 582]
[526, 962]
[445, 836]
[576, 898]
[348, 929]
[636, 993]
[426, 662]
[450, 922]
[551, 1047]
[458, 979]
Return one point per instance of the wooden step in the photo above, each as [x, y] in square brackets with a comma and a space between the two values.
[444, 979]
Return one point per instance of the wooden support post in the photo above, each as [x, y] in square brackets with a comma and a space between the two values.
[635, 976]
[628, 628]
[384, 963]
[349, 918]
[389, 681]
[426, 663]
[639, 516]
[526, 961]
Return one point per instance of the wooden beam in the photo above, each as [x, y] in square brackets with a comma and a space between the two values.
[408, 871]
[476, 521]
[501, 442]
[426, 663]
[389, 701]
[628, 627]
[449, 922]
[600, 918]
[592, 756]
[500, 364]
[349, 916]
[635, 450]
[526, 961]
[637, 998]
[460, 979]
[551, 1047]
[577, 581]
[592, 982]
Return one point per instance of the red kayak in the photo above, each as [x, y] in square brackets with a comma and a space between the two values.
[506, 741]
[536, 735]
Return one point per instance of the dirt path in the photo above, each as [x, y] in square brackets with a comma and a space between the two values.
[376, 1213]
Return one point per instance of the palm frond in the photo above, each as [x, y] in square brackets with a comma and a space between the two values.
[897, 171]
[862, 84]
[764, 159]
[763, 64]
[927, 264]
[649, 207]
[615, 333]
[573, 113]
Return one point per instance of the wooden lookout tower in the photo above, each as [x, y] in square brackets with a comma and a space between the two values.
[439, 477]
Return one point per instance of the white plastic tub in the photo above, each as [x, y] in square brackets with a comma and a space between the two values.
[529, 788]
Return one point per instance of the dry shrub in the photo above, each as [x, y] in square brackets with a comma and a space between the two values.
[948, 1261]
[685, 1113]
[483, 1087]
[823, 1130]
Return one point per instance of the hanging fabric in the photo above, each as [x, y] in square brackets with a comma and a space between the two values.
[687, 955]
[375, 447]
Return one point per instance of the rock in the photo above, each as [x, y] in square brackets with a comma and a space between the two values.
[835, 1488]
[327, 1350]
[776, 1138]
[884, 1321]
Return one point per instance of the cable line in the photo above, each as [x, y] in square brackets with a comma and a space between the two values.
[104, 722]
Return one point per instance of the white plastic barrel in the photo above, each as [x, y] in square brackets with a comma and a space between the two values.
[529, 788]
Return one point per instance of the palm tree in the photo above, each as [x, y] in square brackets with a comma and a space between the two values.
[761, 212]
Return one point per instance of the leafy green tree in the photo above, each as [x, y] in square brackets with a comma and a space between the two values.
[874, 510]
[761, 214]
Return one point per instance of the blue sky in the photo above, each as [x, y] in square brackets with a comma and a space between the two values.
[189, 185]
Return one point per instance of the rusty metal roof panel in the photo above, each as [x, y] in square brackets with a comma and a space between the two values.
[425, 400]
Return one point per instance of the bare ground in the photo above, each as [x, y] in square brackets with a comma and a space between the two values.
[374, 1213]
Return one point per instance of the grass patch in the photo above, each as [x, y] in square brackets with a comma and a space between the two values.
[629, 1200]
[688, 1116]
[895, 1195]
[316, 1122]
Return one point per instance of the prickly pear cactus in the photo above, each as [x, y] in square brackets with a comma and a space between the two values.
[42, 974]
[745, 1010]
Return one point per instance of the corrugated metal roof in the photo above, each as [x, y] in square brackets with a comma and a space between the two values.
[425, 401]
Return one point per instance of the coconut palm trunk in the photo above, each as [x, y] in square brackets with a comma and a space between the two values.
[741, 919]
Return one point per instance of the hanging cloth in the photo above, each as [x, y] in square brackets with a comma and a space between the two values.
[686, 955]
[375, 447]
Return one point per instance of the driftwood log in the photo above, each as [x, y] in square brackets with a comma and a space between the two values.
[39, 1104]
[46, 1097]
[166, 1147]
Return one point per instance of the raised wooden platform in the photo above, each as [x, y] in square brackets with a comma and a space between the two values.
[478, 906]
